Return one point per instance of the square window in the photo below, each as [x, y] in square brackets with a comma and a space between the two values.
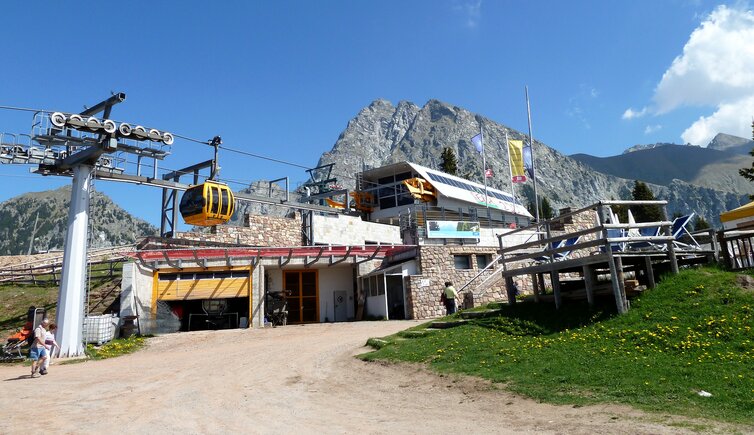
[462, 262]
[482, 261]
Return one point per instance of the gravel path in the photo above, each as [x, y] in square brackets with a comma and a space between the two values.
[294, 379]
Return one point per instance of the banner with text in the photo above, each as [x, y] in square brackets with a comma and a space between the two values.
[515, 150]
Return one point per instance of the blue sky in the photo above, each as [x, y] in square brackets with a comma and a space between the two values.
[282, 79]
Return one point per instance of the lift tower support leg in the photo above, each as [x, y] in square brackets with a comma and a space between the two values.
[70, 311]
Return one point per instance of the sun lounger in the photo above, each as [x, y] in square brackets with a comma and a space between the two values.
[559, 255]
[646, 232]
[615, 233]
[679, 231]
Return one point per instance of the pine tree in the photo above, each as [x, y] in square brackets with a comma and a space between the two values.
[645, 213]
[748, 173]
[449, 163]
[546, 211]
[701, 224]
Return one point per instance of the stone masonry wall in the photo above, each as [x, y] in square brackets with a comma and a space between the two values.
[437, 266]
[352, 230]
[257, 231]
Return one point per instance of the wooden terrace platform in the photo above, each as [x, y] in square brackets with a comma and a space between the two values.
[612, 249]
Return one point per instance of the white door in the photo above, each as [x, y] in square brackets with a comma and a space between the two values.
[341, 308]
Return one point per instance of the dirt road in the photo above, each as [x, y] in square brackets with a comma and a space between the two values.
[295, 379]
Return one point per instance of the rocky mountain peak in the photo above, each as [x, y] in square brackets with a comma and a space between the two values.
[382, 133]
[649, 146]
[724, 142]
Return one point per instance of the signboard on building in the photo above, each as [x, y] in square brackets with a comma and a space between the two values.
[452, 230]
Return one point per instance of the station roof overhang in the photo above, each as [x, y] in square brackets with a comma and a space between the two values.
[307, 256]
[388, 269]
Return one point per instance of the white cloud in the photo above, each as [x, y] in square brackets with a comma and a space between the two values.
[471, 11]
[716, 69]
[717, 64]
[652, 128]
[732, 118]
[631, 113]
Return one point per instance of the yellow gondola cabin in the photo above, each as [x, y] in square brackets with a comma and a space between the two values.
[207, 204]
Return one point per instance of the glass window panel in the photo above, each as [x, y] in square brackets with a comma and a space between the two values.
[225, 201]
[186, 276]
[309, 313]
[482, 261]
[204, 275]
[222, 274]
[294, 307]
[381, 285]
[403, 176]
[462, 262]
[291, 284]
[240, 274]
[309, 284]
[215, 200]
[405, 200]
[387, 202]
[168, 276]
[192, 202]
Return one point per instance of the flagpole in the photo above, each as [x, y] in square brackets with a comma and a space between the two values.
[531, 149]
[484, 167]
[510, 168]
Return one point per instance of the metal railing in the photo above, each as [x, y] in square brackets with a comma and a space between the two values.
[415, 217]
[737, 248]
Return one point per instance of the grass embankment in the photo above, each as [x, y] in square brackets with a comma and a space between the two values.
[15, 299]
[692, 333]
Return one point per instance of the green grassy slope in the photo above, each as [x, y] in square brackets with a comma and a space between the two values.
[692, 333]
[15, 299]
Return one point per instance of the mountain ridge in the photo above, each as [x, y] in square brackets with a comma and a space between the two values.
[110, 225]
[382, 133]
[715, 166]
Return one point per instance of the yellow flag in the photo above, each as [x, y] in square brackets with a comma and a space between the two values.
[516, 156]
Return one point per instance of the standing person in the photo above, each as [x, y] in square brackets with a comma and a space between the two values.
[50, 343]
[38, 351]
[450, 298]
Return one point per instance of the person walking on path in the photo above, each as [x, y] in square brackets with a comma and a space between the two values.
[38, 351]
[450, 298]
[51, 344]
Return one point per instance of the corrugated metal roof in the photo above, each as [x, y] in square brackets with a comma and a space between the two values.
[469, 191]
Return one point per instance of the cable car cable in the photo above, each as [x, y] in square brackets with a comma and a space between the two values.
[263, 157]
[25, 109]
